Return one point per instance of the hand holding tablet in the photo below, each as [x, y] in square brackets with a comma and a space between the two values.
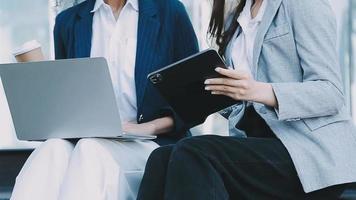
[182, 84]
[236, 84]
[241, 86]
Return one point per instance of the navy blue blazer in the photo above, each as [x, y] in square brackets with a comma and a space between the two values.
[165, 35]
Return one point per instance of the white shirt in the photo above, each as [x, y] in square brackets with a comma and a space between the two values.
[243, 44]
[116, 40]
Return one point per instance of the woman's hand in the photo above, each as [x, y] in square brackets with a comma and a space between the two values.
[240, 86]
[155, 127]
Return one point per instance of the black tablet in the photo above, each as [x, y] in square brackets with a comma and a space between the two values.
[182, 85]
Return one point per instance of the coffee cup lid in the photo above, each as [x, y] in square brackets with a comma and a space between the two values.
[28, 46]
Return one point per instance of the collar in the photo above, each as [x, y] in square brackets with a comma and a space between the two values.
[245, 15]
[100, 3]
[133, 3]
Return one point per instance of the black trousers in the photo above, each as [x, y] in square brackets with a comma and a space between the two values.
[219, 168]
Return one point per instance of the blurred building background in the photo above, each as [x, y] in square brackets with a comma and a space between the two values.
[24, 20]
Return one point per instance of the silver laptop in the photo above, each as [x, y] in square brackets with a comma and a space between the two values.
[63, 99]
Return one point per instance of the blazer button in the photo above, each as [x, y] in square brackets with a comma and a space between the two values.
[140, 119]
[263, 110]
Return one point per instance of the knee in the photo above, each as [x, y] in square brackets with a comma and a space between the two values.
[57, 146]
[93, 149]
[92, 158]
[183, 149]
[193, 146]
[54, 150]
[88, 145]
[197, 142]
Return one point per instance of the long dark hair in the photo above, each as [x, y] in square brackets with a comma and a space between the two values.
[217, 28]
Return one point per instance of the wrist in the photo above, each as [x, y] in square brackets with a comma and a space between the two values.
[258, 92]
[265, 94]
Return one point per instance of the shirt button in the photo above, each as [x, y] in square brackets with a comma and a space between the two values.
[263, 110]
[140, 119]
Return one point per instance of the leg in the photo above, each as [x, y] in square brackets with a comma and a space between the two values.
[42, 174]
[106, 169]
[153, 182]
[212, 167]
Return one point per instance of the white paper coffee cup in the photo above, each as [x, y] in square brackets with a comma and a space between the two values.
[30, 51]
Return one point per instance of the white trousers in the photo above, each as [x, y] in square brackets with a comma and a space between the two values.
[93, 169]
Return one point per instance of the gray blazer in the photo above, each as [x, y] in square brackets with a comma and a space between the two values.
[295, 50]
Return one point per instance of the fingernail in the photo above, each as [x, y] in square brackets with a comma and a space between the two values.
[213, 93]
[207, 88]
[217, 69]
[207, 82]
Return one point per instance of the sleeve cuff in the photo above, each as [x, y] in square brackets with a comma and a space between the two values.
[179, 126]
[282, 110]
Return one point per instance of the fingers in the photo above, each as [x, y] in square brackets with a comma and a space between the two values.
[234, 74]
[224, 94]
[221, 88]
[228, 94]
[227, 82]
[226, 89]
[236, 84]
[221, 81]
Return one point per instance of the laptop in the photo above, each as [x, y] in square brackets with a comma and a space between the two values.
[182, 85]
[66, 99]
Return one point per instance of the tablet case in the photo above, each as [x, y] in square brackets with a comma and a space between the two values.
[182, 85]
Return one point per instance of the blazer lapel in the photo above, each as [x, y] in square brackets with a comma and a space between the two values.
[271, 10]
[83, 30]
[148, 30]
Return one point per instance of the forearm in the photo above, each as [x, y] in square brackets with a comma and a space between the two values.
[300, 100]
[307, 99]
[160, 126]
